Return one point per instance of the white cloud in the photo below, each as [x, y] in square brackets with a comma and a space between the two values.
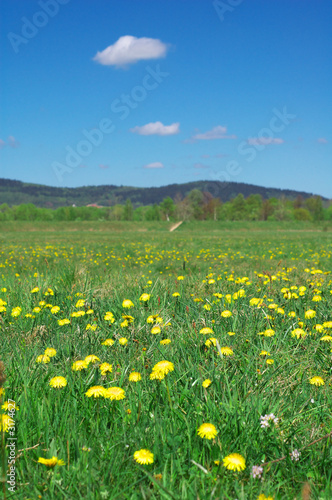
[156, 164]
[200, 165]
[102, 166]
[322, 140]
[157, 128]
[129, 49]
[12, 142]
[218, 132]
[264, 141]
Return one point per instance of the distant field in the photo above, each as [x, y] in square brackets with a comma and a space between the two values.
[200, 226]
[240, 311]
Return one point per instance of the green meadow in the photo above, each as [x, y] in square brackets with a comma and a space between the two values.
[239, 314]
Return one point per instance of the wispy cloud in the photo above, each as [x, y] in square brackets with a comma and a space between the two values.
[156, 164]
[157, 128]
[104, 167]
[11, 142]
[322, 140]
[264, 141]
[129, 49]
[218, 132]
[199, 165]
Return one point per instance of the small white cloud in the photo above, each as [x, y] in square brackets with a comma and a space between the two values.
[264, 141]
[157, 128]
[322, 140]
[200, 165]
[12, 142]
[129, 49]
[104, 167]
[2, 144]
[156, 164]
[218, 132]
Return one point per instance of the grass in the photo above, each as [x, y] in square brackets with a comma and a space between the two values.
[97, 437]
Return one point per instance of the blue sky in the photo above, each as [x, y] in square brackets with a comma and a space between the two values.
[149, 93]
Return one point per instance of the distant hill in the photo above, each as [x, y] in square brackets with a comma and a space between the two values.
[16, 192]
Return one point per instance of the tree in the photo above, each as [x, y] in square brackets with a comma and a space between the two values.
[315, 207]
[128, 211]
[167, 207]
[152, 213]
[196, 199]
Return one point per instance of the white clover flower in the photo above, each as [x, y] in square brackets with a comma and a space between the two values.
[256, 471]
[295, 455]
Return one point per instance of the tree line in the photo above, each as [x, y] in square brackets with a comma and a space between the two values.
[197, 205]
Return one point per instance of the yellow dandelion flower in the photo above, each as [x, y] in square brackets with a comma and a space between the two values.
[327, 324]
[115, 393]
[108, 342]
[269, 361]
[43, 358]
[180, 278]
[96, 391]
[230, 333]
[127, 304]
[165, 341]
[298, 333]
[143, 457]
[80, 303]
[6, 422]
[50, 351]
[161, 369]
[79, 365]
[255, 302]
[91, 358]
[316, 298]
[91, 327]
[234, 462]
[226, 314]
[309, 314]
[16, 311]
[64, 321]
[206, 330]
[211, 341]
[292, 314]
[207, 431]
[135, 377]
[105, 368]
[155, 330]
[109, 316]
[10, 406]
[264, 497]
[226, 351]
[144, 297]
[176, 294]
[55, 309]
[58, 382]
[317, 381]
[50, 462]
[123, 341]
[35, 290]
[269, 333]
[326, 338]
[206, 383]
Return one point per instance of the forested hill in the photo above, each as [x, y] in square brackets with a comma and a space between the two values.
[17, 192]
